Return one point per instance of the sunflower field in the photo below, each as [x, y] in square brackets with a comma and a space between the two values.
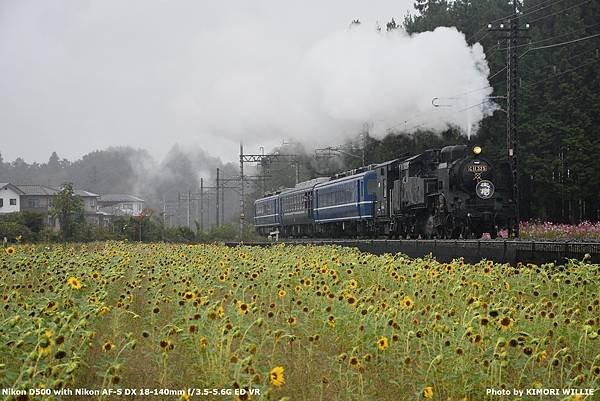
[291, 323]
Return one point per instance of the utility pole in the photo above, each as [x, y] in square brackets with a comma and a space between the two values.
[242, 202]
[364, 136]
[189, 200]
[178, 207]
[201, 204]
[512, 76]
[164, 216]
[364, 146]
[222, 203]
[217, 203]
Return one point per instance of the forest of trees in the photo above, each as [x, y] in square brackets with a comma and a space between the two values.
[559, 99]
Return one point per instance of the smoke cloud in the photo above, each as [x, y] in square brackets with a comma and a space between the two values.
[87, 74]
[353, 76]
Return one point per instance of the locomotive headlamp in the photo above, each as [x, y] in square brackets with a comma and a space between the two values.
[477, 150]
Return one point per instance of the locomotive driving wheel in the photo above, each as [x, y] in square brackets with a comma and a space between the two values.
[428, 227]
[447, 229]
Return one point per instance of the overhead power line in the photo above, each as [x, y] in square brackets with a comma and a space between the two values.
[526, 11]
[532, 10]
[573, 57]
[561, 73]
[560, 11]
[553, 37]
[562, 43]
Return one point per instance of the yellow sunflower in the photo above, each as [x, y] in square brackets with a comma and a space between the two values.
[108, 346]
[408, 303]
[382, 343]
[74, 283]
[505, 323]
[276, 376]
[355, 362]
[243, 307]
[167, 345]
[10, 250]
[52, 305]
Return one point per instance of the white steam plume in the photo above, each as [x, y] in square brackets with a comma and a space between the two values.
[350, 77]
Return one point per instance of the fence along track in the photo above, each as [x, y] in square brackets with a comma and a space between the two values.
[503, 251]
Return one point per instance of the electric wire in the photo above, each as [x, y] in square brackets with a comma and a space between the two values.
[526, 11]
[559, 12]
[559, 74]
[562, 43]
[573, 57]
[553, 37]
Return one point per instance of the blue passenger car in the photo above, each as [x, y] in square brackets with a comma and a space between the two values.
[266, 214]
[296, 208]
[347, 199]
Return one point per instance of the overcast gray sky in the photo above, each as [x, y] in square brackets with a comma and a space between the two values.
[82, 75]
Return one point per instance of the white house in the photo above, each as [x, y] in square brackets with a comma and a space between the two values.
[120, 205]
[10, 198]
[38, 198]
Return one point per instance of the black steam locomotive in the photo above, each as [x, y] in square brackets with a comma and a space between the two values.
[449, 193]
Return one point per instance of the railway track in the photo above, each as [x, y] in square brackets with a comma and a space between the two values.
[502, 251]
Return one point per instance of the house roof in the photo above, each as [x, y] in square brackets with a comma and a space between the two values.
[11, 186]
[84, 193]
[34, 189]
[117, 198]
[44, 190]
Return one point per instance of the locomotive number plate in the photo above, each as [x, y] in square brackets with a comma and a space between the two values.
[477, 168]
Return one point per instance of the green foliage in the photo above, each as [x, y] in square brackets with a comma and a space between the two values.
[226, 232]
[180, 234]
[12, 229]
[141, 228]
[34, 221]
[26, 225]
[68, 209]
